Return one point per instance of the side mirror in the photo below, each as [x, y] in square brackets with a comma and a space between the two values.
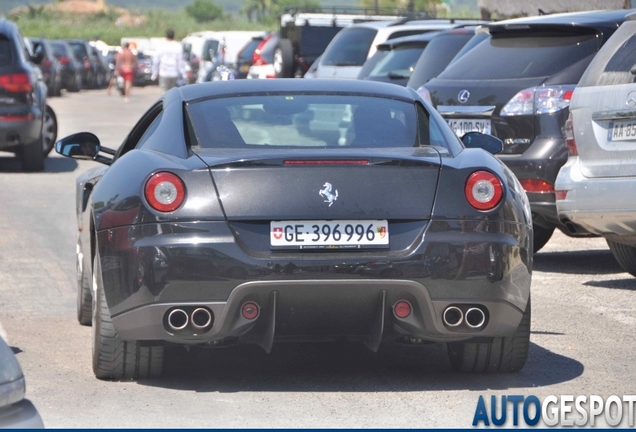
[82, 146]
[479, 140]
[37, 57]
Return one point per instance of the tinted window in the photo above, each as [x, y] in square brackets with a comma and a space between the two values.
[248, 51]
[439, 52]
[210, 44]
[79, 50]
[399, 34]
[6, 51]
[372, 62]
[59, 50]
[399, 63]
[521, 56]
[350, 47]
[617, 70]
[302, 121]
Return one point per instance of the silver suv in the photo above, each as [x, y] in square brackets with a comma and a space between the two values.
[595, 188]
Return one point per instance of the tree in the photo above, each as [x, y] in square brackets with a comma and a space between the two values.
[204, 10]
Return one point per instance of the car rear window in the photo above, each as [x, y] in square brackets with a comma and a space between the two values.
[210, 44]
[6, 51]
[350, 47]
[59, 49]
[79, 50]
[613, 64]
[399, 62]
[311, 121]
[521, 56]
[247, 52]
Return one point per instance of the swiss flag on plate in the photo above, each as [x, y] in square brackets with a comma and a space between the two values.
[278, 233]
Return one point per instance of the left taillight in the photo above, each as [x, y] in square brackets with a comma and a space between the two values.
[570, 142]
[165, 192]
[483, 190]
[16, 83]
[539, 100]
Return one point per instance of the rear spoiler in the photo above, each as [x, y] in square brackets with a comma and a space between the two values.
[514, 29]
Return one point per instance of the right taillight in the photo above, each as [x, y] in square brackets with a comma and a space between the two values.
[539, 100]
[570, 143]
[165, 192]
[483, 190]
[257, 60]
[16, 83]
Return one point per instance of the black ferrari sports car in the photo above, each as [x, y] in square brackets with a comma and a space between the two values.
[300, 210]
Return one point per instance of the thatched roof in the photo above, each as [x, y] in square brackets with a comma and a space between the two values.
[515, 8]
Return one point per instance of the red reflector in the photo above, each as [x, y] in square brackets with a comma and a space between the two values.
[561, 194]
[402, 309]
[326, 162]
[165, 192]
[249, 310]
[16, 83]
[538, 186]
[17, 118]
[568, 95]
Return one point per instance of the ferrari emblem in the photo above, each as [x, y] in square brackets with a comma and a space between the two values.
[326, 193]
[278, 233]
[382, 231]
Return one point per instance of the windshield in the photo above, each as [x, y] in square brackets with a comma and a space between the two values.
[521, 56]
[311, 121]
[350, 47]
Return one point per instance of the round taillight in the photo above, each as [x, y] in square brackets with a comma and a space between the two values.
[165, 192]
[402, 309]
[249, 310]
[483, 190]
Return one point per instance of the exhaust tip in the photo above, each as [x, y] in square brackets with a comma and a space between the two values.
[475, 318]
[453, 316]
[201, 318]
[178, 319]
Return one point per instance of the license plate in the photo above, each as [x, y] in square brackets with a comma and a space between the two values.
[336, 234]
[463, 126]
[244, 68]
[622, 131]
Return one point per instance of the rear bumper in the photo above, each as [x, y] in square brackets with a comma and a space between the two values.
[15, 133]
[602, 206]
[151, 269]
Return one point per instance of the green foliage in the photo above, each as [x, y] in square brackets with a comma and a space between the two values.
[204, 10]
[267, 11]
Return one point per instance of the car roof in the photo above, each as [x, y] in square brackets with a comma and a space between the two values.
[584, 19]
[192, 93]
[7, 26]
[425, 37]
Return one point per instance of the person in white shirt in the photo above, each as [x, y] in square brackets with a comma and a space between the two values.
[168, 63]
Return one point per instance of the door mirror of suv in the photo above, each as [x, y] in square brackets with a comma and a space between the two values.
[82, 146]
[483, 141]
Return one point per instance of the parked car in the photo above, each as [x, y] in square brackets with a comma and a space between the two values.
[594, 189]
[28, 126]
[143, 75]
[263, 59]
[245, 57]
[442, 50]
[71, 68]
[295, 275]
[16, 412]
[352, 46]
[50, 66]
[213, 57]
[81, 51]
[517, 85]
[100, 66]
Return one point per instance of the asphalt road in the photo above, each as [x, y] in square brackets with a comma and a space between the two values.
[584, 316]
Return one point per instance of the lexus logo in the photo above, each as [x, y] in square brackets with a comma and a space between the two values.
[463, 96]
[631, 99]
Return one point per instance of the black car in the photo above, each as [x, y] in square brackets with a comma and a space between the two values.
[82, 53]
[280, 228]
[517, 85]
[28, 126]
[143, 74]
[71, 68]
[245, 57]
[50, 66]
[100, 65]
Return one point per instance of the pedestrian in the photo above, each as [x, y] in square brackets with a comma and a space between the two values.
[168, 63]
[125, 66]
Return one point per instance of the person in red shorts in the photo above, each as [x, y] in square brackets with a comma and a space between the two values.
[125, 66]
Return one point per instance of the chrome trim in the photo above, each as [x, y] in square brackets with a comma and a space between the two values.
[462, 110]
[614, 115]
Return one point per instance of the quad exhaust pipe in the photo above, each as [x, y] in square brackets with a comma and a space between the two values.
[201, 318]
[454, 316]
[178, 319]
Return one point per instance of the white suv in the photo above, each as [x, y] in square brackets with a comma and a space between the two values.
[347, 52]
[595, 188]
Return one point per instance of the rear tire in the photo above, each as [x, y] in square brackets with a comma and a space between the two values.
[114, 358]
[541, 237]
[625, 255]
[32, 156]
[503, 354]
[284, 59]
[49, 131]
